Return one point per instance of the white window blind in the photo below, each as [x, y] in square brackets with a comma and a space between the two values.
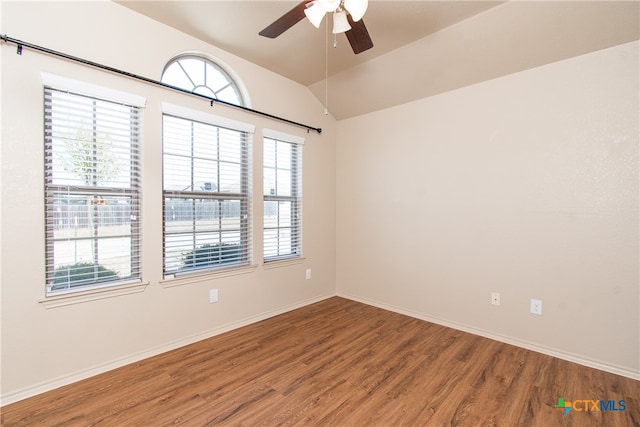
[92, 191]
[282, 189]
[206, 194]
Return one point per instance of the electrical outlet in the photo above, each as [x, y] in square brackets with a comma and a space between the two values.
[213, 296]
[495, 298]
[308, 274]
[536, 307]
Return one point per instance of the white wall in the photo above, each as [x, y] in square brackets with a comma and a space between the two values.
[526, 185]
[47, 347]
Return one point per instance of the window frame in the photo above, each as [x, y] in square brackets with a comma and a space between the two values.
[198, 83]
[244, 196]
[295, 251]
[55, 89]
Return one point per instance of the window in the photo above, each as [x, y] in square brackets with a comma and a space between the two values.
[92, 189]
[199, 75]
[206, 192]
[282, 190]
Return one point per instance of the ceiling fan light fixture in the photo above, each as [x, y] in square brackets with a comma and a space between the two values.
[340, 22]
[315, 13]
[356, 8]
[328, 5]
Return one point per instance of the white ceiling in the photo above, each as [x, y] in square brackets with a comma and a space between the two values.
[421, 48]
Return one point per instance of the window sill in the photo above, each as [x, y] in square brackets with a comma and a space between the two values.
[187, 279]
[80, 297]
[267, 265]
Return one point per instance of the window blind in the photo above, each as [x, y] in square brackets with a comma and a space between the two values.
[282, 189]
[206, 195]
[92, 191]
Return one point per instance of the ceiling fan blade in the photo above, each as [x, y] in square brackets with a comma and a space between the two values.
[358, 36]
[286, 21]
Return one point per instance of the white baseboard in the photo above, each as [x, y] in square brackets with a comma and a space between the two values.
[581, 360]
[45, 386]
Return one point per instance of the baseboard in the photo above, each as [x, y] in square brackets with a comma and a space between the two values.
[45, 386]
[597, 364]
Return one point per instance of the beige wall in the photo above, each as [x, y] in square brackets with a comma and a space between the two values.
[46, 347]
[525, 185]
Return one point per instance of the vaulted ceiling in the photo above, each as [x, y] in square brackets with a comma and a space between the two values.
[421, 48]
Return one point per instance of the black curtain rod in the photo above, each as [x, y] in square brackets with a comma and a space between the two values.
[22, 44]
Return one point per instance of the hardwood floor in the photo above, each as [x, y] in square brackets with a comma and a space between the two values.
[338, 363]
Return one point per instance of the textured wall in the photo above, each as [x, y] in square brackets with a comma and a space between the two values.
[46, 347]
[525, 185]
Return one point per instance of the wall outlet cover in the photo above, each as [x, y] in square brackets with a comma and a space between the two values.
[495, 298]
[536, 307]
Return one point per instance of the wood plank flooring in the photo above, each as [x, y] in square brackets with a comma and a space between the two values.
[338, 363]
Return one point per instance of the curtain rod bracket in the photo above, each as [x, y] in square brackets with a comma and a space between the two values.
[5, 39]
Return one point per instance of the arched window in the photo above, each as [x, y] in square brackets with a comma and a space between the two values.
[201, 75]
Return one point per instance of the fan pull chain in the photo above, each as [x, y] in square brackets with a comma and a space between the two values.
[326, 68]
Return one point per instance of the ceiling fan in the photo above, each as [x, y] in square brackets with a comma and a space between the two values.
[347, 18]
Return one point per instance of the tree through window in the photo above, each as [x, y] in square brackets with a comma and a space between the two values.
[92, 183]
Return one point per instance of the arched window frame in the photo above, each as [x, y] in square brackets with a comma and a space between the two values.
[197, 85]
